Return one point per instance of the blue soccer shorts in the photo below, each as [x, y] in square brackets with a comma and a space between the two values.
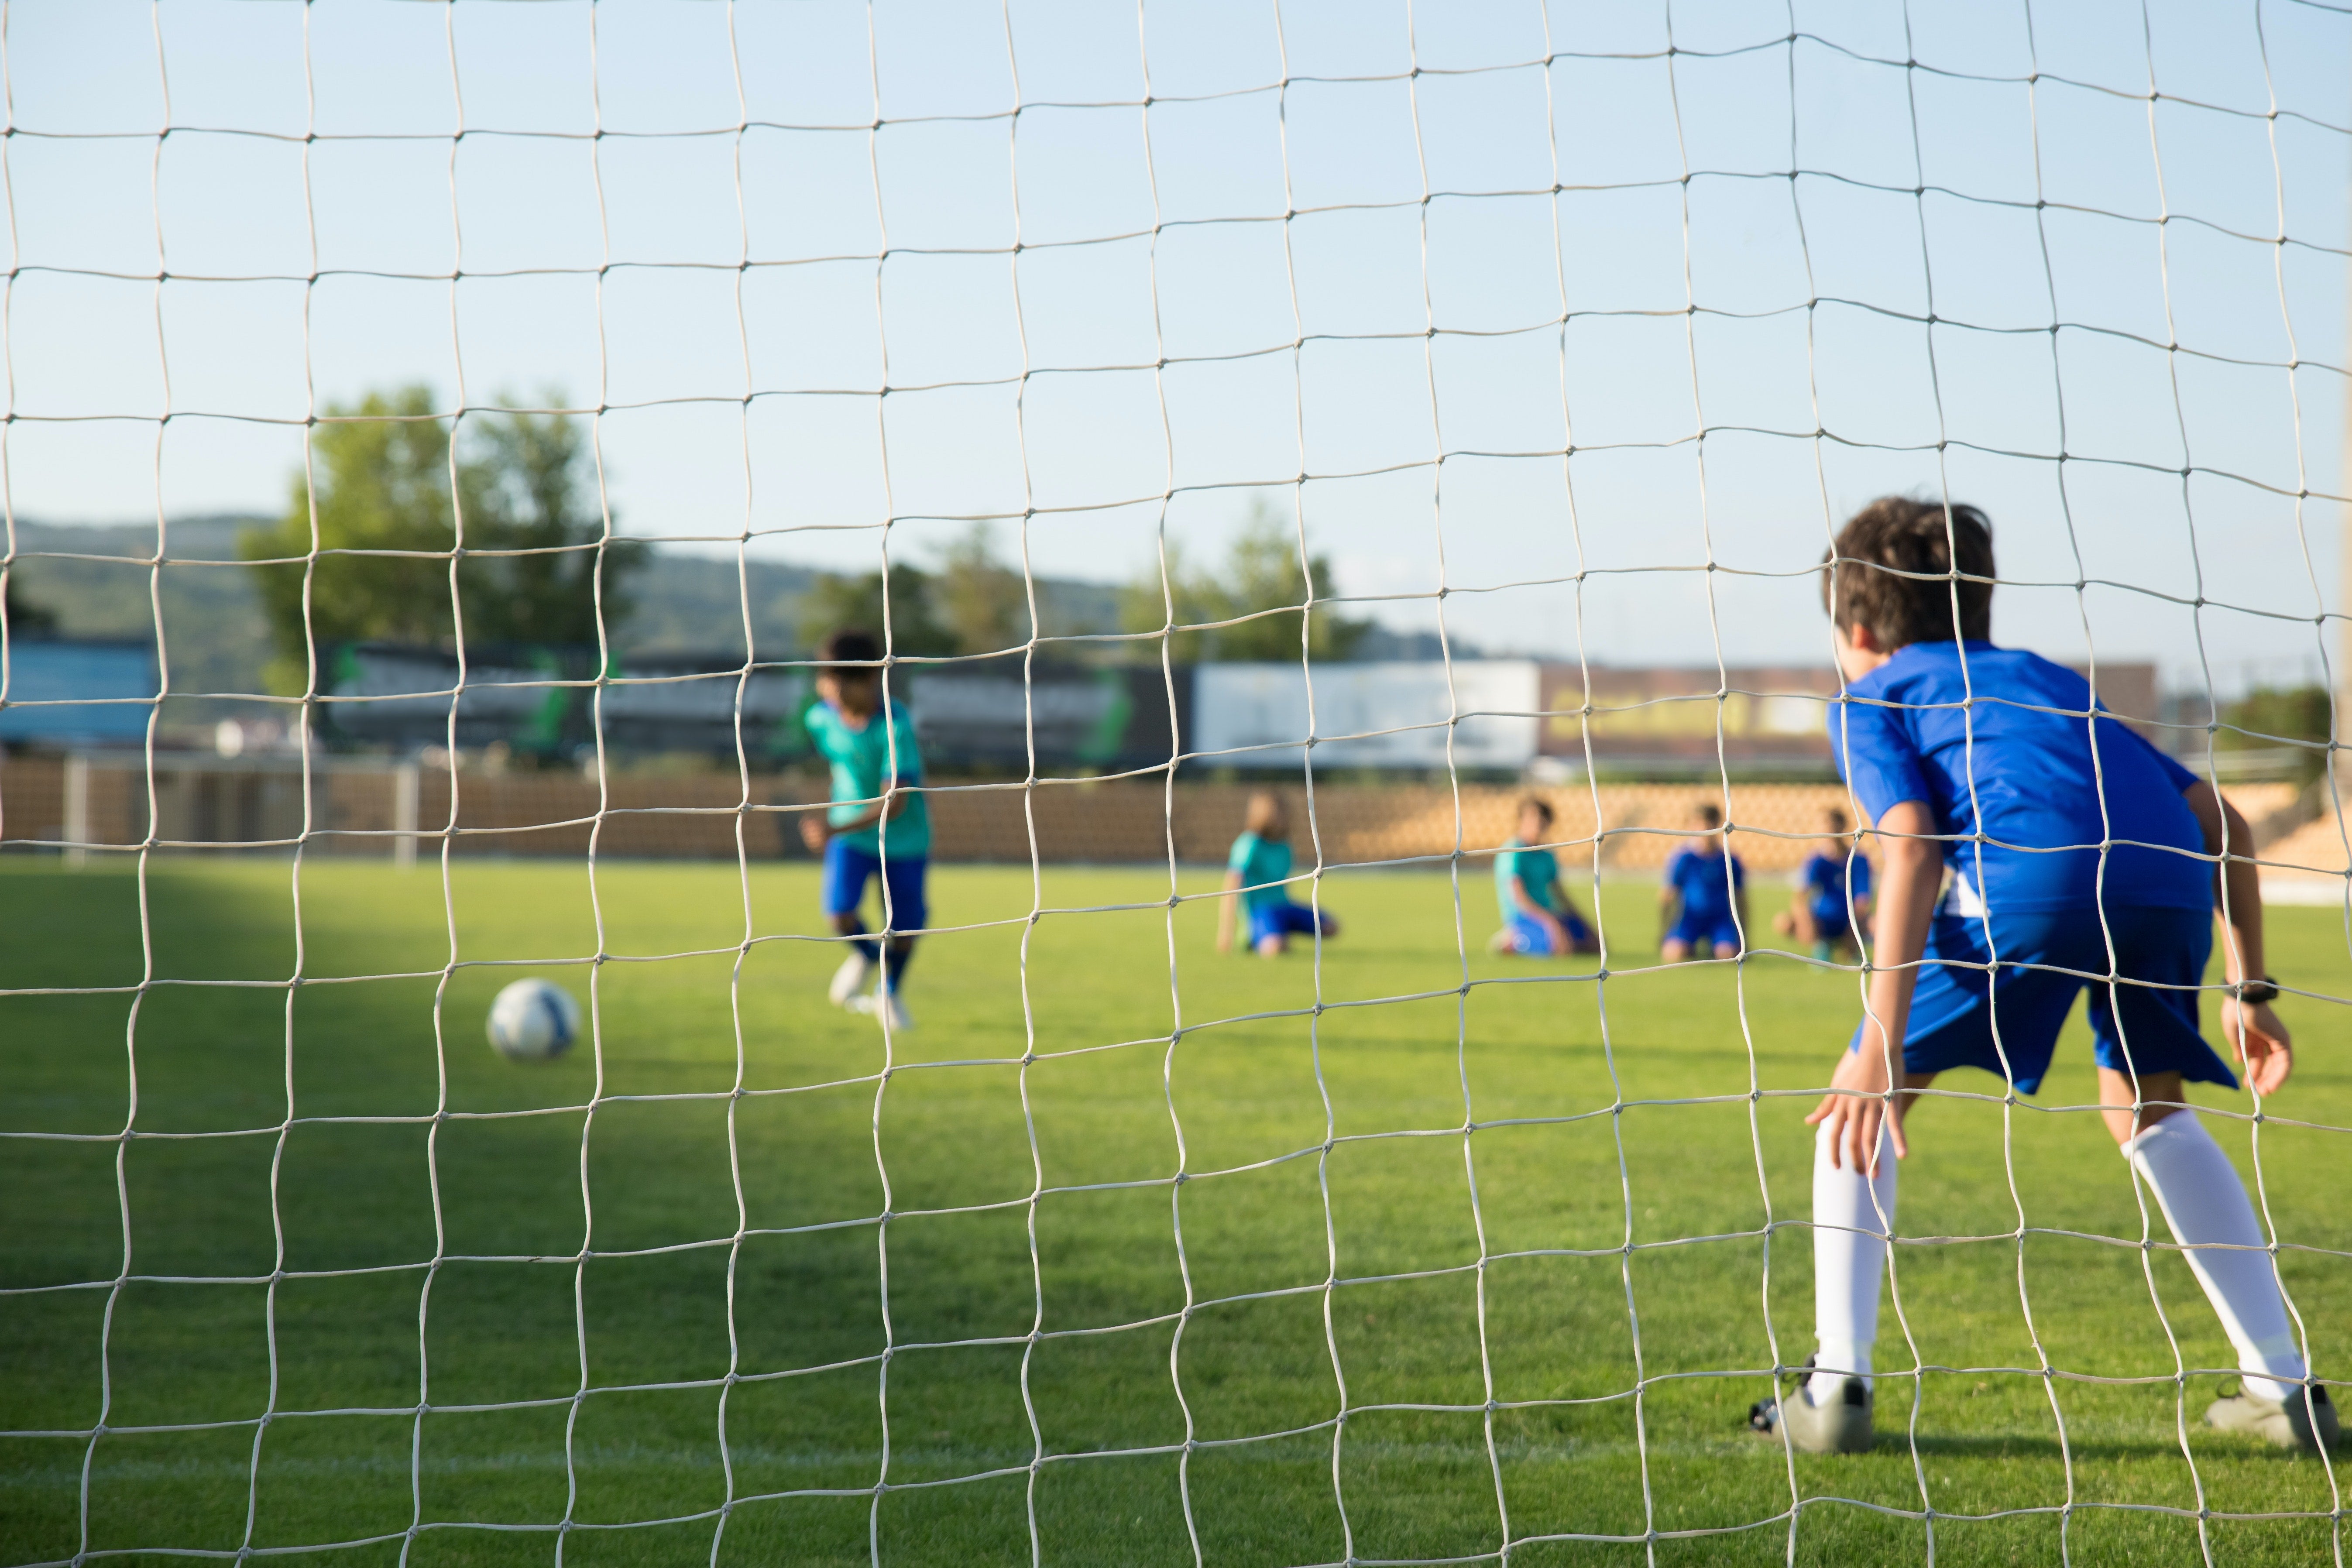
[1529, 939]
[847, 870]
[1964, 1016]
[1706, 932]
[1285, 919]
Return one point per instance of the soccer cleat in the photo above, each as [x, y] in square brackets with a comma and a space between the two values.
[887, 1007]
[1840, 1427]
[1501, 942]
[848, 979]
[2282, 1423]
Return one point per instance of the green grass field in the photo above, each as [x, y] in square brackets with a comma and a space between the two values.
[1012, 1361]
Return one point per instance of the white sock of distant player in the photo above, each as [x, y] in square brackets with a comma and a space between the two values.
[1848, 1260]
[2203, 1201]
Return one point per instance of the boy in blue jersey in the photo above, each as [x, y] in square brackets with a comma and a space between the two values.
[1258, 870]
[875, 828]
[2074, 848]
[1539, 919]
[1831, 905]
[1704, 904]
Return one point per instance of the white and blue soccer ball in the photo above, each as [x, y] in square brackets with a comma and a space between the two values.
[533, 1020]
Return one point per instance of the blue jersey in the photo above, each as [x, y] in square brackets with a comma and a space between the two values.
[1533, 869]
[2006, 750]
[865, 759]
[1706, 883]
[1265, 866]
[1830, 878]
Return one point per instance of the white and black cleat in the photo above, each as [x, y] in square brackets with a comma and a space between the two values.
[1841, 1425]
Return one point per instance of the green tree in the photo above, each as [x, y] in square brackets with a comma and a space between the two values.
[2291, 713]
[538, 495]
[983, 602]
[25, 618]
[857, 599]
[386, 485]
[1264, 580]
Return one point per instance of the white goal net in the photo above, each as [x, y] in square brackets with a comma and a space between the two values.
[440, 435]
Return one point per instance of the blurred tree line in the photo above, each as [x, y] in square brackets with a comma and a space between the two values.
[968, 600]
[393, 486]
[2290, 713]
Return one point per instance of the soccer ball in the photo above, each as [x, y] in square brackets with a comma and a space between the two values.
[533, 1020]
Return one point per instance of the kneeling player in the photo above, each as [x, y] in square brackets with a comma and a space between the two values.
[1832, 897]
[2075, 847]
[1258, 871]
[1539, 919]
[877, 827]
[1705, 901]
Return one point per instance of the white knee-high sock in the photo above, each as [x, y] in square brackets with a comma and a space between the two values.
[2204, 1202]
[1853, 1217]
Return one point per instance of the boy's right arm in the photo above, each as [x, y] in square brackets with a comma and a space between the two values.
[1912, 874]
[2262, 1042]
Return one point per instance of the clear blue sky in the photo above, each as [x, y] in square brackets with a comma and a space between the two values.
[748, 396]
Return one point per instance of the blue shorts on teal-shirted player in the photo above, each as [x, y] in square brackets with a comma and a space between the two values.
[878, 828]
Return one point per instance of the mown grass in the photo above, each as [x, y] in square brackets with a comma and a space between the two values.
[339, 1330]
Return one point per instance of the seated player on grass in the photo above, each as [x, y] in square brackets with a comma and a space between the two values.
[1704, 905]
[877, 827]
[1258, 870]
[2075, 847]
[1539, 919]
[1818, 914]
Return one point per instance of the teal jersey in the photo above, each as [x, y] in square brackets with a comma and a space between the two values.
[861, 760]
[1264, 864]
[1535, 870]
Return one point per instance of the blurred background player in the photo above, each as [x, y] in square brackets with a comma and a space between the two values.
[1818, 912]
[1704, 905]
[1258, 870]
[1539, 919]
[878, 826]
[2074, 848]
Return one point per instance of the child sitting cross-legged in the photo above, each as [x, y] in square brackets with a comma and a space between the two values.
[1832, 904]
[1704, 904]
[2075, 849]
[1539, 919]
[1258, 872]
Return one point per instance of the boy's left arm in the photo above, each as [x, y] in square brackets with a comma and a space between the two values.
[2253, 1030]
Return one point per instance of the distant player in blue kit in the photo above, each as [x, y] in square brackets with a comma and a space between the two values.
[877, 827]
[1539, 919]
[2073, 847]
[1833, 898]
[1258, 871]
[1707, 886]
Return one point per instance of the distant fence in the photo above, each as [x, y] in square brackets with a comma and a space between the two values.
[99, 802]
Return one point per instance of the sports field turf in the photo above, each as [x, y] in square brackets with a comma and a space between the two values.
[509, 1466]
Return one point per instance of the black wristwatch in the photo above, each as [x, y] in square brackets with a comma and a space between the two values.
[2257, 992]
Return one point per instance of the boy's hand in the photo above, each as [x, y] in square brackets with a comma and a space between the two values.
[1855, 1111]
[814, 831]
[2260, 1042]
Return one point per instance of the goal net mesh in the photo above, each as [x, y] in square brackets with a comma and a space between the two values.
[1564, 335]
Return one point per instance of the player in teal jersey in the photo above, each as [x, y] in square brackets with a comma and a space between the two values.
[878, 826]
[1259, 871]
[1539, 919]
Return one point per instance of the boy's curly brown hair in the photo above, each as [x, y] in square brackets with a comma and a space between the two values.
[1898, 566]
